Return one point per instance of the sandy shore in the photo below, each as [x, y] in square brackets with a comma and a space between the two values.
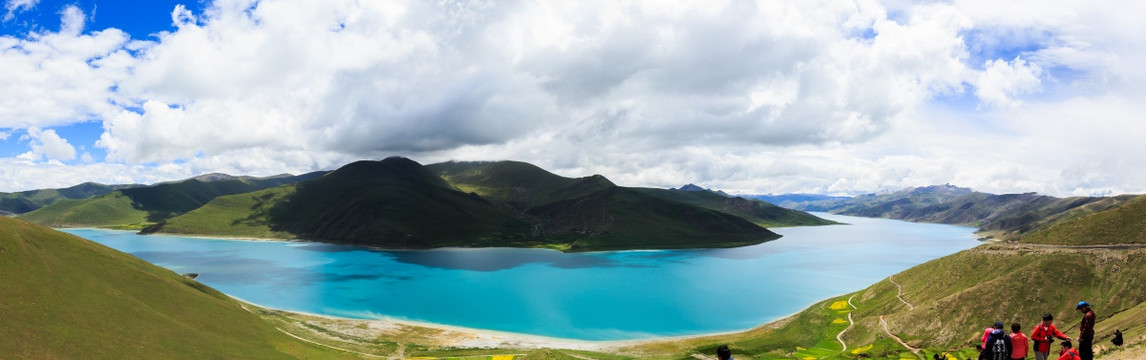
[464, 337]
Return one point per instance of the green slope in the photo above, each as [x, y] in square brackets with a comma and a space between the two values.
[392, 203]
[398, 203]
[111, 210]
[623, 218]
[954, 297]
[1125, 224]
[25, 201]
[140, 206]
[521, 186]
[68, 298]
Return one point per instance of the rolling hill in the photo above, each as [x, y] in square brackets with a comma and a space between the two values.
[398, 203]
[139, 206]
[21, 202]
[69, 298]
[520, 186]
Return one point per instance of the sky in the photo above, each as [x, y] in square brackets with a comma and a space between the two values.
[774, 96]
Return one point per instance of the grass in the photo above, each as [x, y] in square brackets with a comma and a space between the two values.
[112, 210]
[1122, 225]
[66, 297]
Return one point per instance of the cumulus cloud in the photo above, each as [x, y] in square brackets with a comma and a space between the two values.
[63, 77]
[839, 96]
[48, 144]
[17, 6]
[1002, 81]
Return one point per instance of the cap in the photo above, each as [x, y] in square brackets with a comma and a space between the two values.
[998, 324]
[1081, 304]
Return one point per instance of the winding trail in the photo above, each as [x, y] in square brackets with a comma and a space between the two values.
[900, 294]
[897, 339]
[840, 336]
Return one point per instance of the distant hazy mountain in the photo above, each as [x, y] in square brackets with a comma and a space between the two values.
[25, 201]
[398, 203]
[791, 201]
[139, 206]
[999, 216]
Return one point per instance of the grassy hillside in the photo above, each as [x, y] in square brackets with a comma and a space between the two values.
[392, 203]
[113, 210]
[68, 298]
[25, 201]
[1121, 225]
[140, 206]
[623, 218]
[243, 215]
[521, 186]
[398, 203]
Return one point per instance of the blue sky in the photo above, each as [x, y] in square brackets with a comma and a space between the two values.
[141, 19]
[834, 97]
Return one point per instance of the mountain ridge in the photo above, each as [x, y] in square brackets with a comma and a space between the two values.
[398, 203]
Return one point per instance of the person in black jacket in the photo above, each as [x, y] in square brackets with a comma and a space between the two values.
[998, 346]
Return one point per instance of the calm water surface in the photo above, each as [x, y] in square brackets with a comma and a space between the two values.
[592, 296]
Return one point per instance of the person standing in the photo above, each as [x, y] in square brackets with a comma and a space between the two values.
[987, 332]
[1086, 331]
[998, 346]
[1019, 343]
[1044, 334]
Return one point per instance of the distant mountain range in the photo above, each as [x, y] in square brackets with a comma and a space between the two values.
[1005, 217]
[398, 203]
[25, 201]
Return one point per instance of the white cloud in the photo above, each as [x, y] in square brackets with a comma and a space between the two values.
[840, 96]
[56, 78]
[1002, 81]
[16, 6]
[48, 144]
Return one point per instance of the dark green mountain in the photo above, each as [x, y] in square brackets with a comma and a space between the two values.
[520, 186]
[1006, 217]
[65, 297]
[759, 212]
[398, 203]
[25, 201]
[139, 206]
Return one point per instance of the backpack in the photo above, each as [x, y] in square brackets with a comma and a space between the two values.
[999, 349]
[1117, 338]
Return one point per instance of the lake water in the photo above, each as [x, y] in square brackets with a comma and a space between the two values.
[592, 296]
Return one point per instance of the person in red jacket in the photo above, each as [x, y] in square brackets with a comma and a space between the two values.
[1044, 334]
[987, 332]
[1068, 353]
[1019, 343]
[1086, 331]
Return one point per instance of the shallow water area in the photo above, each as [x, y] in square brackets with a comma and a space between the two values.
[616, 295]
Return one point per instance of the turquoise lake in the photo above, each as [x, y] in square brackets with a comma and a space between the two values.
[591, 296]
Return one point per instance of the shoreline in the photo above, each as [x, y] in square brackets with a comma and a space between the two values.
[467, 337]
